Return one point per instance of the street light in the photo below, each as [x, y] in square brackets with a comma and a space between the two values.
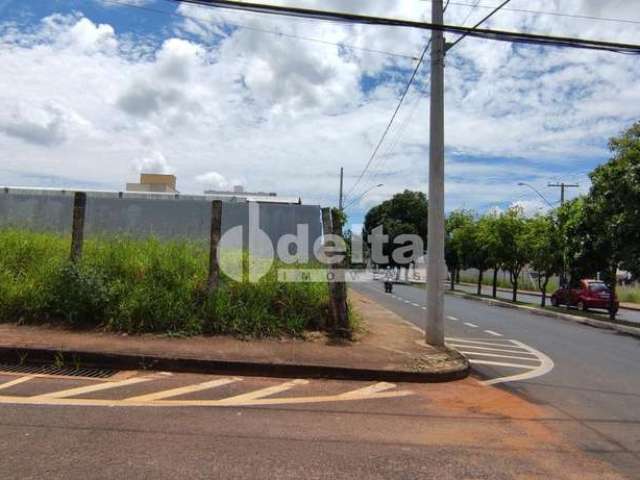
[360, 197]
[523, 184]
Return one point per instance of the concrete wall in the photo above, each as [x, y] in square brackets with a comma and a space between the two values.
[163, 216]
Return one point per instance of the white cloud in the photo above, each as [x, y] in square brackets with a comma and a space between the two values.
[214, 181]
[283, 113]
[152, 162]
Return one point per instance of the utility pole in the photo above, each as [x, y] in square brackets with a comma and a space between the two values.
[562, 187]
[341, 182]
[435, 237]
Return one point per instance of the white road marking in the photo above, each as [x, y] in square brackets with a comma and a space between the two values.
[499, 364]
[71, 392]
[498, 355]
[489, 342]
[265, 392]
[424, 308]
[502, 350]
[472, 325]
[17, 381]
[495, 334]
[518, 355]
[380, 390]
[546, 365]
[415, 304]
[174, 392]
[455, 319]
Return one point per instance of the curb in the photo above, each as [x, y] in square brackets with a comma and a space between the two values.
[123, 361]
[633, 331]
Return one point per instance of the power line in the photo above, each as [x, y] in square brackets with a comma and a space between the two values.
[399, 133]
[547, 12]
[484, 19]
[261, 30]
[473, 7]
[497, 35]
[393, 117]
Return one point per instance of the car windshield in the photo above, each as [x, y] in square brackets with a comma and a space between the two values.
[598, 288]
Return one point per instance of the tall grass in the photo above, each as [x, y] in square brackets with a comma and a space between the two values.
[131, 285]
[629, 293]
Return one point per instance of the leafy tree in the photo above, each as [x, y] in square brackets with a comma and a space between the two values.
[474, 249]
[544, 238]
[514, 244]
[611, 220]
[491, 241]
[456, 223]
[404, 213]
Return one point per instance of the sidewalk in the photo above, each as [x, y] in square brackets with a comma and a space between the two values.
[387, 349]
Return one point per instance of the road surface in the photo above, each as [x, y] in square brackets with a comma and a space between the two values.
[575, 415]
[593, 382]
[623, 313]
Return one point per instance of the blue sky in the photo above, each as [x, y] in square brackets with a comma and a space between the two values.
[94, 91]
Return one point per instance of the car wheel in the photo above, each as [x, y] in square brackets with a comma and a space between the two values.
[581, 306]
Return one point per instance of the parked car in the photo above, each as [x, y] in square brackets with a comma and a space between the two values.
[589, 294]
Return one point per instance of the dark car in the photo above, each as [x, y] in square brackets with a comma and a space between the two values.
[589, 294]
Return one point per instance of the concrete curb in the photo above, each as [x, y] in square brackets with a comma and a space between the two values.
[634, 331]
[123, 361]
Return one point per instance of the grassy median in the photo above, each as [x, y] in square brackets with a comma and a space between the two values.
[145, 286]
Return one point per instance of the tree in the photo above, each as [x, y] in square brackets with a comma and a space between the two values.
[611, 220]
[474, 250]
[515, 248]
[405, 213]
[456, 223]
[545, 241]
[490, 239]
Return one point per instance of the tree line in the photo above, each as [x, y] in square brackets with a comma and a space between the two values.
[596, 233]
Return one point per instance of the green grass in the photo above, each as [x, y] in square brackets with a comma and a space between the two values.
[523, 284]
[628, 293]
[138, 286]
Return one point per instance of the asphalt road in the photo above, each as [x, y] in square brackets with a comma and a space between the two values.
[623, 314]
[594, 382]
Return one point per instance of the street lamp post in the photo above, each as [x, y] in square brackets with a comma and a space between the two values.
[523, 184]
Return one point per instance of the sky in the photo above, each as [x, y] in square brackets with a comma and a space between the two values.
[92, 92]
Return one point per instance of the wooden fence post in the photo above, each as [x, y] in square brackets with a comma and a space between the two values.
[337, 287]
[214, 241]
[77, 229]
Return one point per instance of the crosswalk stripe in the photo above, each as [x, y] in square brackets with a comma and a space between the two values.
[263, 392]
[503, 350]
[497, 355]
[92, 388]
[501, 364]
[17, 381]
[175, 392]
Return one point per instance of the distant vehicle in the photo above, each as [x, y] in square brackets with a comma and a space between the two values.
[589, 294]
